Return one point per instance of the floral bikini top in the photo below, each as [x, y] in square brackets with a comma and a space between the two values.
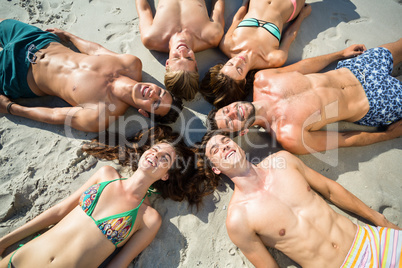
[117, 227]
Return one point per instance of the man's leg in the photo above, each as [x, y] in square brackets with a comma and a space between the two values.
[396, 50]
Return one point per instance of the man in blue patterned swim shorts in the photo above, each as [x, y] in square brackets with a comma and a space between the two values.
[295, 102]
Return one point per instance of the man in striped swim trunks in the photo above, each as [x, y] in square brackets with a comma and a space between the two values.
[275, 204]
[373, 246]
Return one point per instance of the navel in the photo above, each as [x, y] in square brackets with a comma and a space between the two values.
[74, 88]
[282, 232]
[335, 245]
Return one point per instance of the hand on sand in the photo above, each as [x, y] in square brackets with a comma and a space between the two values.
[395, 129]
[60, 33]
[353, 51]
[4, 101]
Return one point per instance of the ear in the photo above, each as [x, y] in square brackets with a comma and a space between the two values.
[243, 132]
[216, 170]
[165, 178]
[144, 113]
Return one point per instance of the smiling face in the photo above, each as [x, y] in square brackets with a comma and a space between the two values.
[236, 116]
[236, 68]
[151, 98]
[181, 57]
[158, 160]
[224, 154]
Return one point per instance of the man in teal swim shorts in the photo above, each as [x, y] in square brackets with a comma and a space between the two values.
[100, 84]
[294, 103]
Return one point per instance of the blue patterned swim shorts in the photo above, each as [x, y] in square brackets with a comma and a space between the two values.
[373, 69]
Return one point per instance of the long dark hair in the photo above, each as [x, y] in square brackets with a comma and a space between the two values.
[184, 182]
[221, 90]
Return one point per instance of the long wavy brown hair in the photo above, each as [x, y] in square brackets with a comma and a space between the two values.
[184, 182]
[221, 90]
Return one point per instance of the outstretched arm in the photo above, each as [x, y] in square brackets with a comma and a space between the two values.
[53, 214]
[237, 18]
[139, 240]
[319, 141]
[316, 64]
[91, 118]
[341, 197]
[218, 12]
[84, 46]
[145, 15]
[248, 241]
[279, 57]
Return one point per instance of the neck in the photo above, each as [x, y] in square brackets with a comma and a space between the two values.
[264, 114]
[249, 180]
[182, 36]
[125, 93]
[251, 58]
[139, 183]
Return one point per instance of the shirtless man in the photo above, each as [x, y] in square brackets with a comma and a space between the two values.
[294, 103]
[274, 204]
[100, 84]
[181, 28]
[253, 41]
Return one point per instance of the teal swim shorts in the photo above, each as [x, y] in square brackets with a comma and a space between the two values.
[19, 41]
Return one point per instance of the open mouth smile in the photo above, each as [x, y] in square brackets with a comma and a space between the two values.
[145, 91]
[151, 161]
[230, 154]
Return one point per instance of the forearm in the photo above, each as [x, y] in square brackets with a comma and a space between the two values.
[84, 46]
[41, 114]
[88, 119]
[344, 199]
[145, 15]
[218, 12]
[41, 222]
[360, 138]
[316, 64]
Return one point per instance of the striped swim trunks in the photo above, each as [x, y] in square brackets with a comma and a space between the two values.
[375, 247]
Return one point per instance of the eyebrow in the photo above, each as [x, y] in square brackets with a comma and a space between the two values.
[216, 145]
[159, 148]
[159, 101]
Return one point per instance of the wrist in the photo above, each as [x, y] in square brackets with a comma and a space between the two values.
[9, 107]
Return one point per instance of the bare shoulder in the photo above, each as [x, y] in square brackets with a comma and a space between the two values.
[108, 172]
[236, 218]
[264, 77]
[151, 216]
[129, 59]
[277, 160]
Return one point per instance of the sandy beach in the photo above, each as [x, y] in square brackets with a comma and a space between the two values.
[41, 164]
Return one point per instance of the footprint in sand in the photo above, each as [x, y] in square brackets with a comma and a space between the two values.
[48, 12]
[336, 18]
[124, 33]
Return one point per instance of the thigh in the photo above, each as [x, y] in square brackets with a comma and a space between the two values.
[396, 50]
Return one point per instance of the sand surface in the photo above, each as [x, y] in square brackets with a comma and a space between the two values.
[41, 164]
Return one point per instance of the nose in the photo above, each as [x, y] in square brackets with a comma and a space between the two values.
[232, 113]
[183, 52]
[154, 95]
